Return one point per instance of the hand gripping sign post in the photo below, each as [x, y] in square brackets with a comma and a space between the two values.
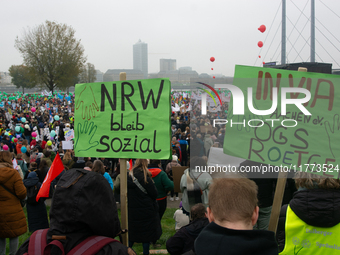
[123, 119]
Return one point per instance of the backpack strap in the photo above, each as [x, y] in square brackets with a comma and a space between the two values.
[91, 245]
[37, 242]
[47, 250]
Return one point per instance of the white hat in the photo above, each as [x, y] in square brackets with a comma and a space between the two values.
[174, 157]
[27, 126]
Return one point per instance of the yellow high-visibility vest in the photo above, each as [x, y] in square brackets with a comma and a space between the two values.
[301, 238]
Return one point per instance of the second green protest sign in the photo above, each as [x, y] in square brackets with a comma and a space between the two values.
[123, 119]
[296, 134]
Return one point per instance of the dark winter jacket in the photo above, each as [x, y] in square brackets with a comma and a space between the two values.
[162, 182]
[217, 240]
[316, 207]
[144, 222]
[36, 213]
[83, 205]
[184, 238]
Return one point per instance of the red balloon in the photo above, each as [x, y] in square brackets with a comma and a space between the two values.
[212, 59]
[259, 56]
[214, 77]
[15, 140]
[260, 44]
[263, 62]
[262, 28]
[212, 68]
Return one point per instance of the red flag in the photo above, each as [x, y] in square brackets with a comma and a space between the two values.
[130, 163]
[56, 168]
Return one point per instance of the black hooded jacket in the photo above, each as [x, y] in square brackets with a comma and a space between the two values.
[144, 222]
[316, 207]
[36, 213]
[83, 205]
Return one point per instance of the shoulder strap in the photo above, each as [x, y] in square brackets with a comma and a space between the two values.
[135, 181]
[37, 242]
[193, 177]
[9, 191]
[91, 245]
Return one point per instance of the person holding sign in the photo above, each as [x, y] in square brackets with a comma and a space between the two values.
[144, 222]
[311, 221]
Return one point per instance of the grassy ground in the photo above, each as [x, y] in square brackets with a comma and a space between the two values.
[168, 227]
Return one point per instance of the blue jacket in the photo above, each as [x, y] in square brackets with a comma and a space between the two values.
[109, 179]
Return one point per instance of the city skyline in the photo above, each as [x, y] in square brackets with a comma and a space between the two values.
[194, 32]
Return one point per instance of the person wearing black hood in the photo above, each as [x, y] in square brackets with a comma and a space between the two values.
[183, 240]
[76, 214]
[311, 221]
[80, 163]
[36, 211]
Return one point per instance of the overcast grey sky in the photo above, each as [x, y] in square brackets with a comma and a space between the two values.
[190, 31]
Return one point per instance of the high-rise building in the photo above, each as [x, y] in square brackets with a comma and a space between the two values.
[140, 57]
[167, 65]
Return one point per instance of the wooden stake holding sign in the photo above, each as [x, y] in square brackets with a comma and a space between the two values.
[276, 208]
[123, 190]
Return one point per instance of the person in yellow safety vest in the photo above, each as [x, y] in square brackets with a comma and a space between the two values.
[310, 224]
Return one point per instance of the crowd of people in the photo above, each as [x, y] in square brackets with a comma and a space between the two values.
[216, 216]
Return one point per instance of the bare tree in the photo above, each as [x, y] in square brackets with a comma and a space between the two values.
[53, 54]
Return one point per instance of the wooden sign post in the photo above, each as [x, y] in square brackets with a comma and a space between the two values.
[276, 208]
[123, 190]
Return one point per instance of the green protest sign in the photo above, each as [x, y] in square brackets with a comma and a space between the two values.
[123, 119]
[298, 133]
